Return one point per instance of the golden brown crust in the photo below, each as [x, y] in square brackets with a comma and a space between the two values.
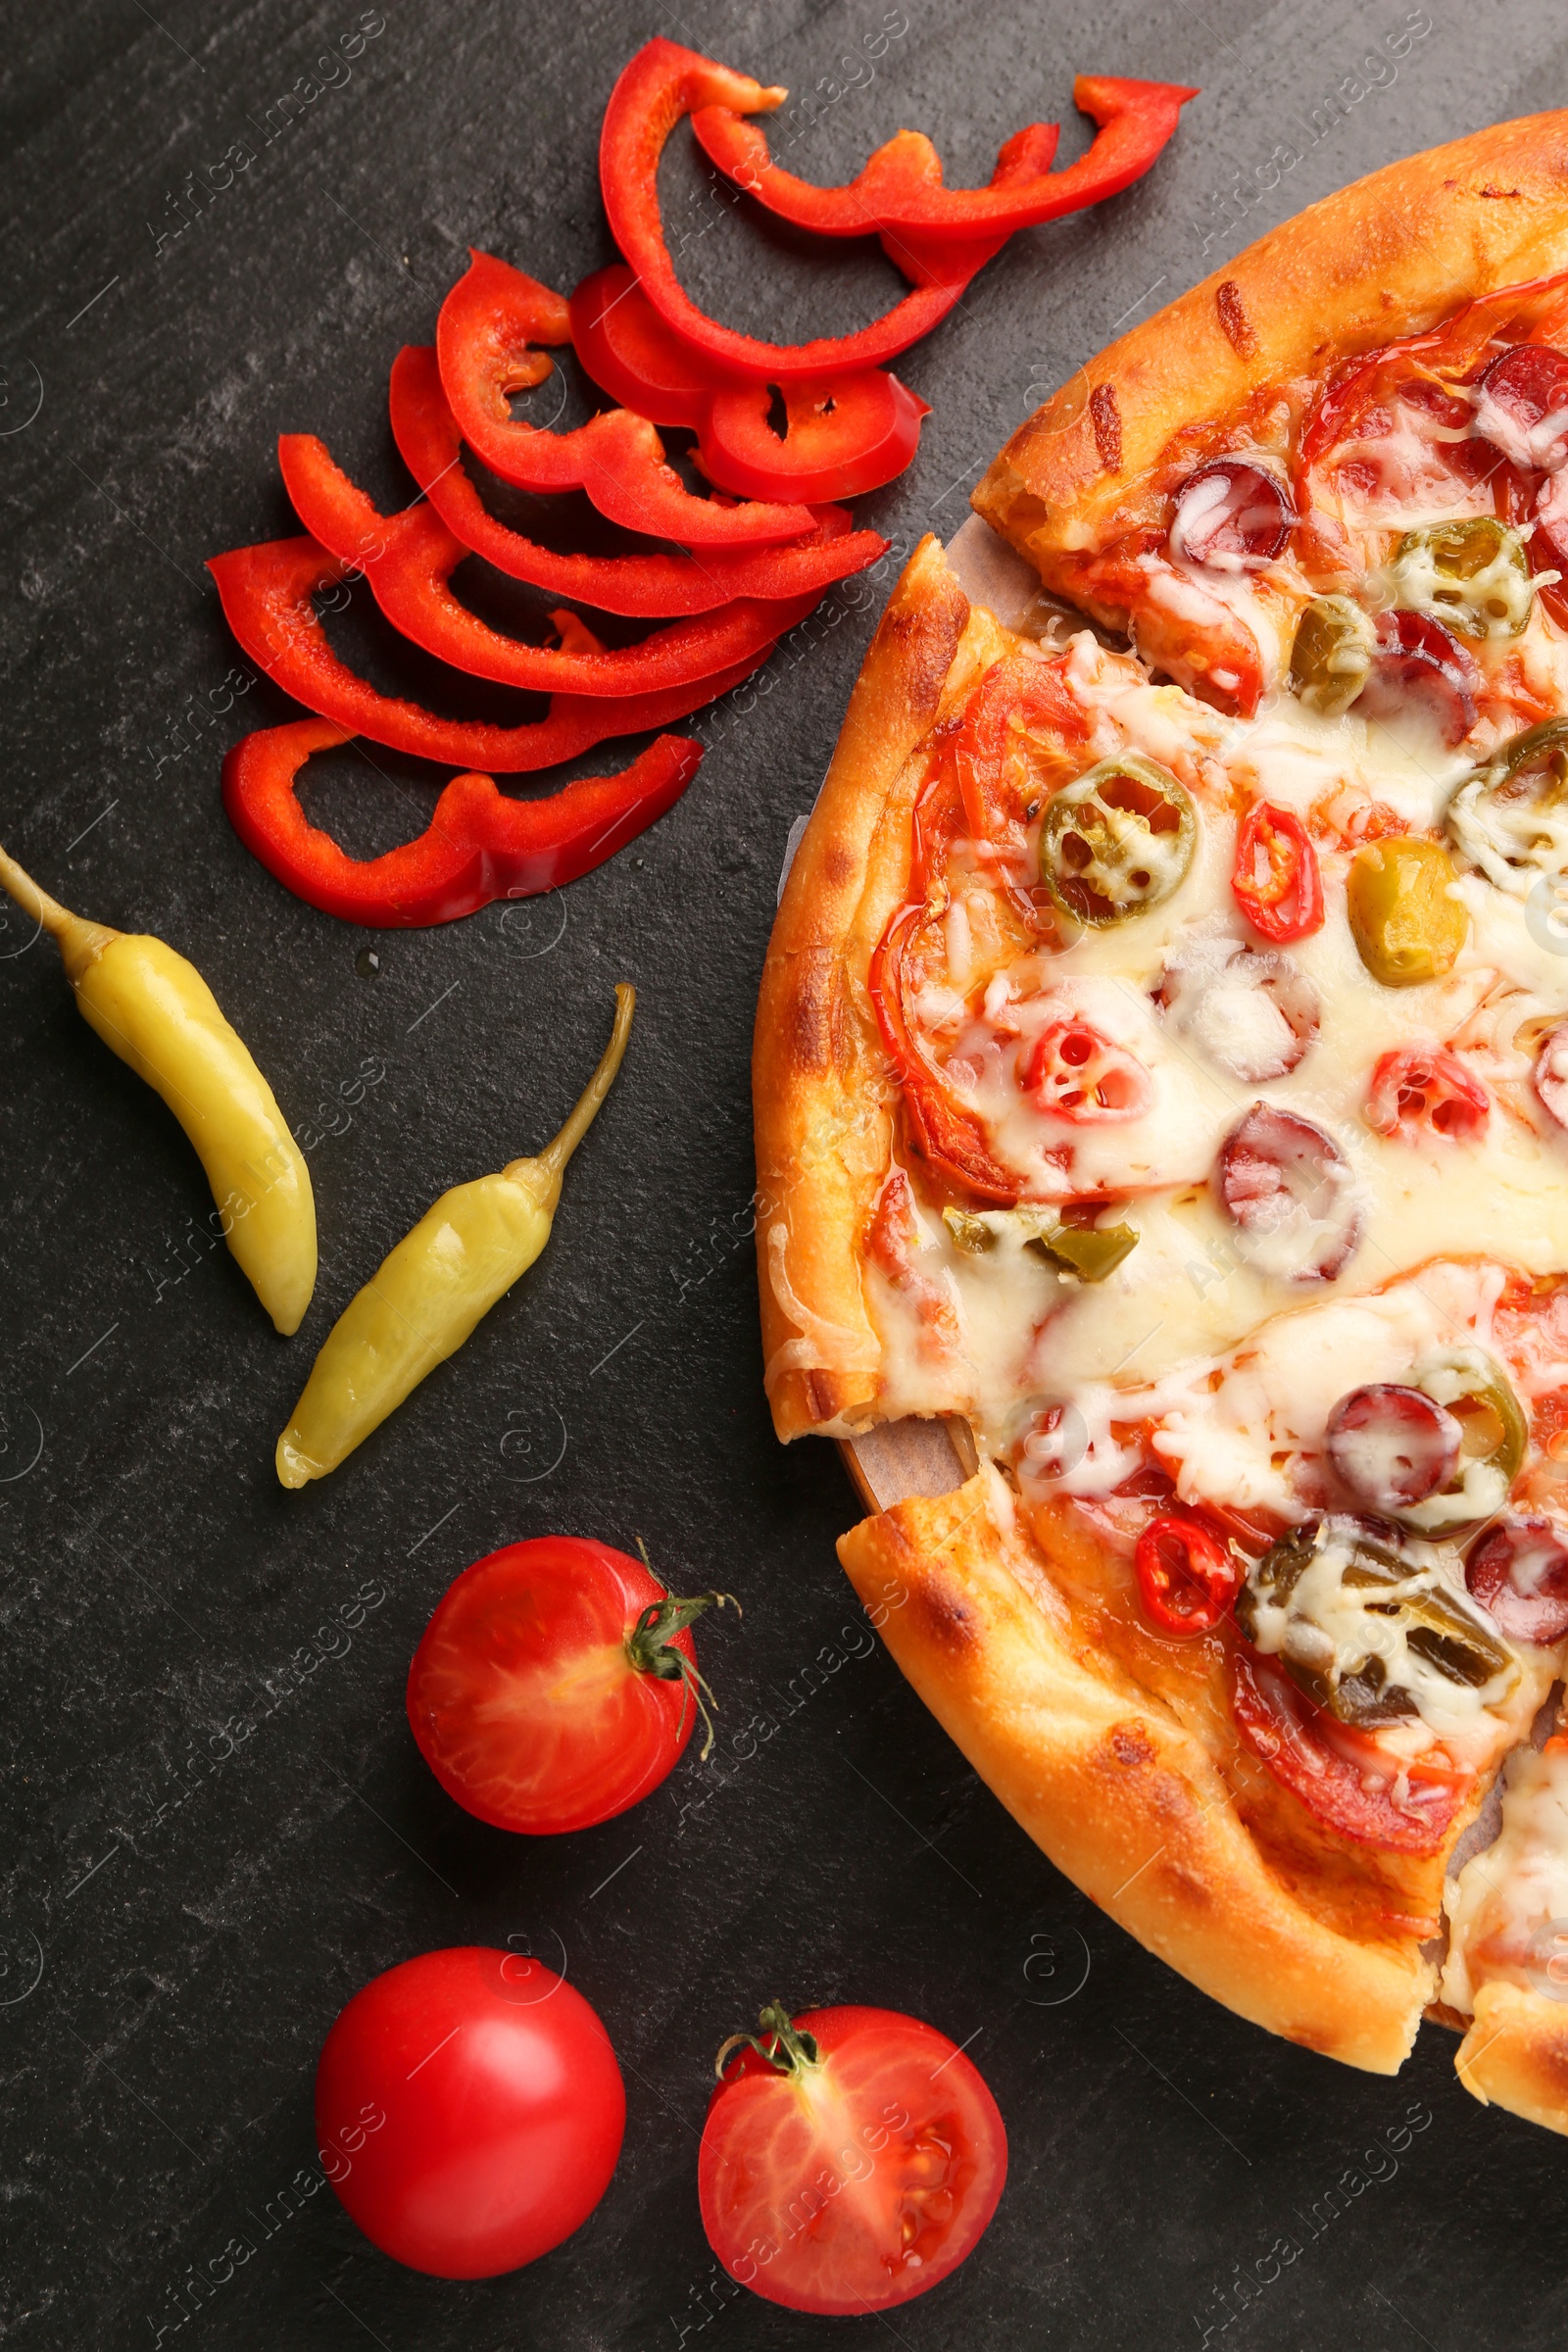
[1382, 258]
[1515, 2054]
[822, 1094]
[1109, 1786]
[1139, 1809]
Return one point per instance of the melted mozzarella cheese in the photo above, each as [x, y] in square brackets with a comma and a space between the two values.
[1333, 1628]
[1508, 1906]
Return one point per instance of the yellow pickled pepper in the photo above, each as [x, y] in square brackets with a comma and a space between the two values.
[156, 1012]
[464, 1254]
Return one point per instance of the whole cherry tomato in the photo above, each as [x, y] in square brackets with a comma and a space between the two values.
[556, 1684]
[851, 2158]
[468, 2111]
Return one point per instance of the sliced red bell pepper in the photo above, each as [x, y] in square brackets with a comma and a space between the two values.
[665, 81]
[899, 191]
[944, 1131]
[483, 340]
[265, 593]
[649, 583]
[479, 845]
[844, 436]
[409, 560]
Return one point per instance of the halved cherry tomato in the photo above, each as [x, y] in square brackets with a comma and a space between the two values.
[468, 2111]
[1231, 517]
[1186, 1575]
[1340, 1775]
[1080, 1075]
[1277, 882]
[556, 1684]
[851, 2158]
[1419, 1092]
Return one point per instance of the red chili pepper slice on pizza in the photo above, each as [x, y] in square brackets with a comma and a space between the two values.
[1187, 1577]
[1425, 1093]
[899, 190]
[1341, 1776]
[267, 591]
[842, 436]
[486, 338]
[409, 560]
[665, 81]
[478, 845]
[650, 583]
[1277, 883]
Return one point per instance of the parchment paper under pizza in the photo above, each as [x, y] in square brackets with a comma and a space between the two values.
[1161, 1080]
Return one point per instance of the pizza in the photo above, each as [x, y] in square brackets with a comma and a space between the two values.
[1162, 1091]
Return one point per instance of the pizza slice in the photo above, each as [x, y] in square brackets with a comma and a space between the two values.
[1161, 1085]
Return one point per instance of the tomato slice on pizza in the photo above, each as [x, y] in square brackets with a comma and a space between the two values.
[1162, 1068]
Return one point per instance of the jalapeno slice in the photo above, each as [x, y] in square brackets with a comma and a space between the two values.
[1510, 819]
[1473, 576]
[1117, 840]
[1331, 657]
[1375, 1590]
[1406, 924]
[1090, 1252]
[1492, 1436]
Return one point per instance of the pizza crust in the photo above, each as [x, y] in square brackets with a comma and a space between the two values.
[1105, 1777]
[823, 1095]
[1118, 1797]
[1382, 258]
[1515, 2054]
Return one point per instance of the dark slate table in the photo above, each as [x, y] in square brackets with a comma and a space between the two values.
[216, 1826]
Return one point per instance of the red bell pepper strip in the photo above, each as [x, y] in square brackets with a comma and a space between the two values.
[645, 583]
[265, 593]
[1277, 884]
[944, 1131]
[479, 845]
[665, 81]
[483, 340]
[901, 191]
[844, 436]
[409, 560]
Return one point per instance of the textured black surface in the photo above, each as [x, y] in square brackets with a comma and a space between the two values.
[187, 1903]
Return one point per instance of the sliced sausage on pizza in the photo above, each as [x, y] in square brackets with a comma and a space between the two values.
[1162, 1068]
